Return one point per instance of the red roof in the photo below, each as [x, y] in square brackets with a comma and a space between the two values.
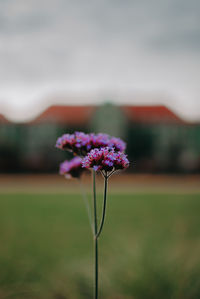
[70, 115]
[151, 115]
[81, 115]
[3, 120]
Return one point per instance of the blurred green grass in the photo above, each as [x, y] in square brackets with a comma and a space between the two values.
[149, 247]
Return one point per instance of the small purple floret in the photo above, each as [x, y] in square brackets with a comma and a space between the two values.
[66, 141]
[117, 144]
[72, 168]
[105, 159]
[78, 143]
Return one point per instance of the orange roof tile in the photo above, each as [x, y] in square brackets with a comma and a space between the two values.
[70, 115]
[3, 119]
[81, 115]
[151, 115]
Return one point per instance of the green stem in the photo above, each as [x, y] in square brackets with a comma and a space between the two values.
[87, 205]
[104, 206]
[95, 238]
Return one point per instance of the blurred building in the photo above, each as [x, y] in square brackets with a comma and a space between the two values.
[157, 139]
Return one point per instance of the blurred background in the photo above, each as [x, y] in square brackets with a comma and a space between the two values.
[158, 140]
[126, 68]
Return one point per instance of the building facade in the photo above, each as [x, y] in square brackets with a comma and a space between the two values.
[157, 139]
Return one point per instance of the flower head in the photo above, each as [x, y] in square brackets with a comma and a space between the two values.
[105, 159]
[72, 168]
[80, 143]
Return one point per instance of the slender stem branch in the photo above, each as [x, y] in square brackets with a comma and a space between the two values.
[95, 201]
[96, 231]
[95, 239]
[104, 206]
[111, 173]
[96, 269]
[87, 205]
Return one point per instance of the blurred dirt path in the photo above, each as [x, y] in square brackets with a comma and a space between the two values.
[118, 183]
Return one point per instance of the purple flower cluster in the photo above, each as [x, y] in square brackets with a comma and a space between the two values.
[72, 168]
[81, 144]
[105, 159]
[100, 152]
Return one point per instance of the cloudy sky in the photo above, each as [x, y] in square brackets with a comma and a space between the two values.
[128, 51]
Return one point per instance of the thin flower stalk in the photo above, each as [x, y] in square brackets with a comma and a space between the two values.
[87, 205]
[95, 239]
[104, 207]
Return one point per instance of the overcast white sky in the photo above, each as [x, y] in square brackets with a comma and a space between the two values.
[142, 51]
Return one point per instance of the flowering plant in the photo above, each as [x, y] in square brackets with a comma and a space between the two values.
[98, 152]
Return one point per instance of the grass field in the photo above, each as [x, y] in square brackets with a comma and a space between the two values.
[150, 246]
